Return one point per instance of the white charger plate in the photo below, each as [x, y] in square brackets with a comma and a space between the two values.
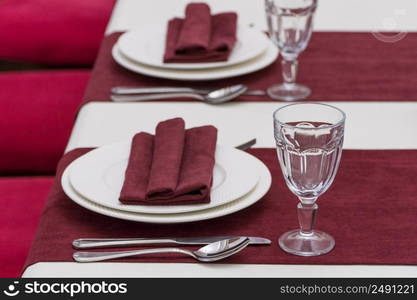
[252, 197]
[250, 66]
[99, 175]
[146, 45]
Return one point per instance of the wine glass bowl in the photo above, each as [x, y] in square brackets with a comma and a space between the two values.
[290, 25]
[309, 139]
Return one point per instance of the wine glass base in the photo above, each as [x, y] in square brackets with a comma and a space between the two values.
[314, 244]
[287, 92]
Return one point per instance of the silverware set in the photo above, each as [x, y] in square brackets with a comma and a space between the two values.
[211, 96]
[216, 247]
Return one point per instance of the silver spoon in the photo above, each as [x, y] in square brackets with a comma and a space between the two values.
[209, 253]
[132, 90]
[214, 97]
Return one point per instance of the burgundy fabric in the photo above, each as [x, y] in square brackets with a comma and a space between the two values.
[135, 184]
[173, 167]
[167, 158]
[38, 111]
[337, 66]
[22, 200]
[53, 31]
[370, 210]
[200, 37]
[194, 31]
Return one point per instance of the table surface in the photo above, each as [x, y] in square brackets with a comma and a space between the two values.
[369, 125]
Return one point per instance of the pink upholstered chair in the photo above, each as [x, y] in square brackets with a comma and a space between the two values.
[38, 108]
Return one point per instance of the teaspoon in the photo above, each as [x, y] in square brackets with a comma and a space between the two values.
[213, 97]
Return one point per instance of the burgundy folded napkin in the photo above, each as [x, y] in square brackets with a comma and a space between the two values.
[200, 37]
[173, 167]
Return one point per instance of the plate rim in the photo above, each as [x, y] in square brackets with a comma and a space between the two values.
[250, 66]
[251, 161]
[249, 199]
[192, 66]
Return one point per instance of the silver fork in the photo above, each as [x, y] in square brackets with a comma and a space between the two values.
[246, 145]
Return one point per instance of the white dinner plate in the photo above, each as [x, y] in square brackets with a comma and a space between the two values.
[252, 197]
[99, 176]
[146, 45]
[250, 66]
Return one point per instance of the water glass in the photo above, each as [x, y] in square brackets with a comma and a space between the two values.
[290, 25]
[309, 139]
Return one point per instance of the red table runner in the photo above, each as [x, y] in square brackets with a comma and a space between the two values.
[371, 210]
[338, 66]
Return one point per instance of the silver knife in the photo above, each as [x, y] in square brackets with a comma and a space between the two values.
[88, 243]
[128, 90]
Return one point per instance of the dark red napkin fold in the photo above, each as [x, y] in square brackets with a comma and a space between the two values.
[167, 158]
[195, 31]
[200, 37]
[173, 167]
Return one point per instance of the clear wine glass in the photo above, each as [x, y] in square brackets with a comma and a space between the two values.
[290, 25]
[309, 139]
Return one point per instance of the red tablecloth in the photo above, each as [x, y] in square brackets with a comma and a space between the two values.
[371, 210]
[337, 66]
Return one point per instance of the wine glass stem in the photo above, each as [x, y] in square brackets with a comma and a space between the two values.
[289, 71]
[307, 217]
